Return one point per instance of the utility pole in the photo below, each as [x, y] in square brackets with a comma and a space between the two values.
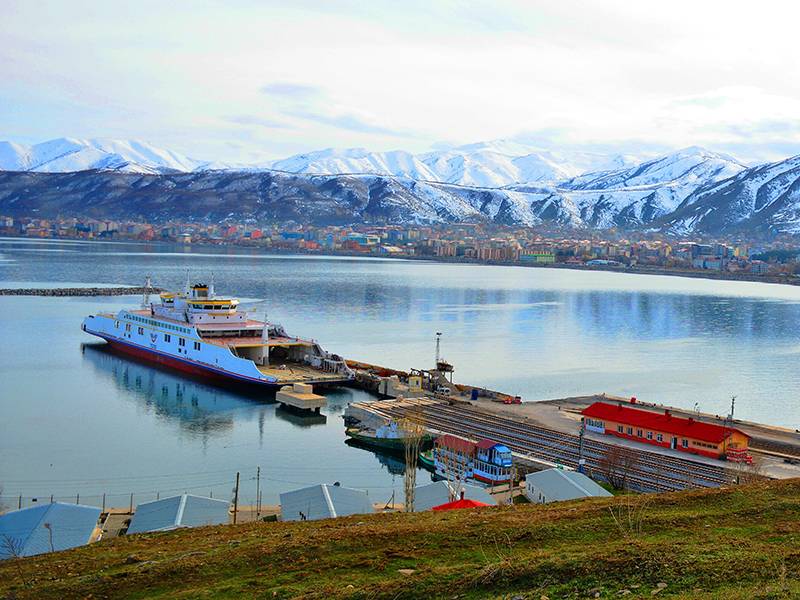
[236, 498]
[728, 423]
[258, 492]
[438, 343]
[581, 460]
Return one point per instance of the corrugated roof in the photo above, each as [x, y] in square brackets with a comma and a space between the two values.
[70, 525]
[486, 444]
[323, 501]
[442, 492]
[658, 421]
[456, 443]
[178, 511]
[560, 484]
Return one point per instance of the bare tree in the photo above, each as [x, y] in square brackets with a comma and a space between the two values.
[629, 512]
[13, 548]
[413, 428]
[618, 464]
[749, 473]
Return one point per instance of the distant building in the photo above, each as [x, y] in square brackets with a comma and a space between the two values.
[46, 528]
[541, 258]
[555, 485]
[442, 492]
[759, 267]
[665, 430]
[179, 511]
[323, 501]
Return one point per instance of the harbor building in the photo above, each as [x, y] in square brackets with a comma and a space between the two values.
[323, 501]
[556, 485]
[485, 461]
[667, 430]
[46, 528]
[178, 511]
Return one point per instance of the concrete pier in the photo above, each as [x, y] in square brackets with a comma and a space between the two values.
[300, 395]
[93, 291]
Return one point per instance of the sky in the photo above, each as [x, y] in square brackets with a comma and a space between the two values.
[250, 80]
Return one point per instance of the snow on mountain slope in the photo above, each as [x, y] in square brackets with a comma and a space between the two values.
[495, 164]
[355, 160]
[65, 155]
[690, 166]
[763, 199]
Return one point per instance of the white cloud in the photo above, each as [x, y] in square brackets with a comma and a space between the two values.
[277, 78]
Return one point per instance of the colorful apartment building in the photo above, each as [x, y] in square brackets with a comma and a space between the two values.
[661, 428]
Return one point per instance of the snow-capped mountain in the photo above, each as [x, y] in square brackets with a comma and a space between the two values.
[67, 154]
[356, 161]
[762, 199]
[486, 164]
[688, 190]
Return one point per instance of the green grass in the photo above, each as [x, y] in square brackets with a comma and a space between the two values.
[733, 543]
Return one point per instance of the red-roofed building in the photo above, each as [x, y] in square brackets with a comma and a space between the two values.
[462, 503]
[665, 429]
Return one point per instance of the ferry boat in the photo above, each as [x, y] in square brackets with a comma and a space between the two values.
[198, 332]
[484, 461]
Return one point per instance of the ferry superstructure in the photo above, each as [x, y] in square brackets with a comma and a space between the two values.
[198, 332]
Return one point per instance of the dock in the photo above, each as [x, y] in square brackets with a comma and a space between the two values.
[91, 291]
[300, 396]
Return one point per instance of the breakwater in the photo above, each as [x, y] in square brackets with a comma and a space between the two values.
[90, 291]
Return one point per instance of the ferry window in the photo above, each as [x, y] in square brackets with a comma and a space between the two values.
[116, 324]
[181, 342]
[197, 345]
[167, 337]
[140, 331]
[127, 326]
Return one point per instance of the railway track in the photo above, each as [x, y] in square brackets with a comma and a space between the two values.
[652, 472]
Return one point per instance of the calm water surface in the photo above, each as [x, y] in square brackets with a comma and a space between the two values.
[75, 418]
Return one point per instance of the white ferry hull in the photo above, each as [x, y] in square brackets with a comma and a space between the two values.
[196, 357]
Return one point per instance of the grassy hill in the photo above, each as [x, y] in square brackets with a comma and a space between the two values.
[736, 543]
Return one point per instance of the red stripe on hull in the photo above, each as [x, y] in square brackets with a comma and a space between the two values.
[487, 480]
[179, 365]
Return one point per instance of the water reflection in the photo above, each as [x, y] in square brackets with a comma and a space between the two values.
[197, 407]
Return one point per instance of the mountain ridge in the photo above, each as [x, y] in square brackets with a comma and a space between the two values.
[689, 190]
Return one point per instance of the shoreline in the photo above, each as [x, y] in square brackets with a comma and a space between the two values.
[637, 270]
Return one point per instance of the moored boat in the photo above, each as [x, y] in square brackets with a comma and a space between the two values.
[389, 437]
[198, 332]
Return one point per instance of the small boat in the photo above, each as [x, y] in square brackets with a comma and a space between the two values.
[386, 437]
[426, 460]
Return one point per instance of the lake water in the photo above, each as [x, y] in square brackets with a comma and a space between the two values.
[75, 418]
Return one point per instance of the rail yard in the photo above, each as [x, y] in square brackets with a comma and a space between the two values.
[535, 445]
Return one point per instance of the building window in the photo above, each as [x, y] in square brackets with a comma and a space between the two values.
[630, 430]
[649, 435]
[685, 443]
[167, 337]
[619, 429]
[659, 437]
[639, 433]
